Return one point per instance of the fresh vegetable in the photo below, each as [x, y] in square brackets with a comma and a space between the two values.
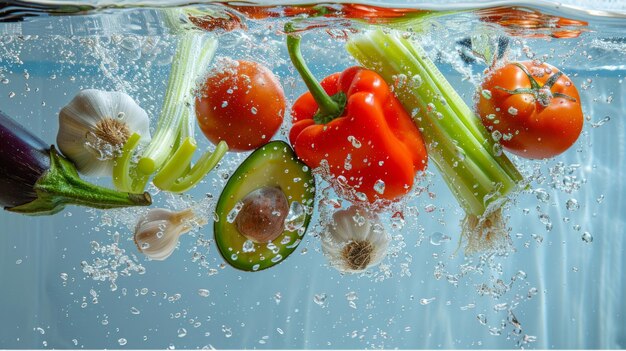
[531, 108]
[473, 166]
[519, 21]
[354, 124]
[36, 180]
[354, 240]
[264, 209]
[171, 150]
[372, 14]
[94, 127]
[157, 232]
[241, 103]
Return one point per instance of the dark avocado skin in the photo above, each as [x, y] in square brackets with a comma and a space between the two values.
[266, 166]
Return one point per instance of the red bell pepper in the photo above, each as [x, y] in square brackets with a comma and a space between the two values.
[357, 125]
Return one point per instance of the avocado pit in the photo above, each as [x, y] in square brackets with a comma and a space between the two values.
[262, 216]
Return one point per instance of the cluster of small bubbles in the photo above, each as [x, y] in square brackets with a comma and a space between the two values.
[113, 264]
[352, 297]
[501, 306]
[542, 195]
[348, 162]
[227, 331]
[397, 220]
[601, 122]
[469, 306]
[277, 297]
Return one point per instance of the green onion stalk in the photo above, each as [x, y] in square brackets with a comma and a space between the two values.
[473, 166]
[169, 154]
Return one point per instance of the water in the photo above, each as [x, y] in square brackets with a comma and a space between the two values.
[81, 282]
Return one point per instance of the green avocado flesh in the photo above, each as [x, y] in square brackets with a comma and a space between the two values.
[274, 164]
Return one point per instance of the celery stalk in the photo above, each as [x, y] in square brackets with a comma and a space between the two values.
[193, 54]
[171, 149]
[473, 166]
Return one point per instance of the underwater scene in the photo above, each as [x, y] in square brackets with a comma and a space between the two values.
[296, 175]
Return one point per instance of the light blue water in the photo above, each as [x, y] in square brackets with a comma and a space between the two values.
[565, 292]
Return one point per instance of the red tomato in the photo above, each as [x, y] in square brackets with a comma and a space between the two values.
[535, 107]
[241, 103]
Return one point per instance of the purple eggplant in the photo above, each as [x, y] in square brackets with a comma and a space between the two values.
[36, 180]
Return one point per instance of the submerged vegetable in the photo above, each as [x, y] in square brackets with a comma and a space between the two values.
[171, 150]
[354, 240]
[36, 180]
[356, 125]
[95, 125]
[241, 103]
[264, 209]
[532, 109]
[473, 166]
[157, 232]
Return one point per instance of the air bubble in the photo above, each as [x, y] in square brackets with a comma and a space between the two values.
[232, 215]
[572, 205]
[438, 238]
[426, 301]
[354, 141]
[248, 246]
[379, 186]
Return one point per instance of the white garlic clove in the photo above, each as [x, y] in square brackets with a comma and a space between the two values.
[158, 231]
[157, 239]
[94, 126]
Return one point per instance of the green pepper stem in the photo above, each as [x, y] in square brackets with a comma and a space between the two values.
[61, 186]
[328, 107]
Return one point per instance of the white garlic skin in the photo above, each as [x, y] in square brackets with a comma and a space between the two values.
[344, 229]
[157, 232]
[81, 116]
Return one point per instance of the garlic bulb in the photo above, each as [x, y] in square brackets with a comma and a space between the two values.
[95, 125]
[355, 240]
[157, 232]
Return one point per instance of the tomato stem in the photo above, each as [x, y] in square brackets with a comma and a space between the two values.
[329, 107]
[536, 87]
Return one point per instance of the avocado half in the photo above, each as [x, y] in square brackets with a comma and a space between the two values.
[274, 164]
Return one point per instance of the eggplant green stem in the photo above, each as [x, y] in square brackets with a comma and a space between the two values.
[329, 107]
[61, 186]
